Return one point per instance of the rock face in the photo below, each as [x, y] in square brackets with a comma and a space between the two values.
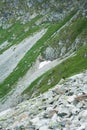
[62, 108]
[24, 9]
[49, 53]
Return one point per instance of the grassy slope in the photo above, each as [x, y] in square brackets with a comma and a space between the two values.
[68, 34]
[17, 30]
[22, 68]
[68, 68]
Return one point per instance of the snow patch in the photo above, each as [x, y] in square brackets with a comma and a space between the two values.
[42, 64]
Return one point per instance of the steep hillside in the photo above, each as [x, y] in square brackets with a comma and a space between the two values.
[63, 107]
[41, 42]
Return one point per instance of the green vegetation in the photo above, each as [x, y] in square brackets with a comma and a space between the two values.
[17, 32]
[27, 61]
[75, 28]
[71, 66]
[69, 33]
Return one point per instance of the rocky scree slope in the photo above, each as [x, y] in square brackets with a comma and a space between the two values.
[63, 107]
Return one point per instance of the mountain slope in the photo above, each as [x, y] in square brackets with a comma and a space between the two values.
[36, 32]
[62, 107]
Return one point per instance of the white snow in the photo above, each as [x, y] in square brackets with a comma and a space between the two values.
[42, 64]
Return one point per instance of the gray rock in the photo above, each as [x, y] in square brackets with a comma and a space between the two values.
[49, 53]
